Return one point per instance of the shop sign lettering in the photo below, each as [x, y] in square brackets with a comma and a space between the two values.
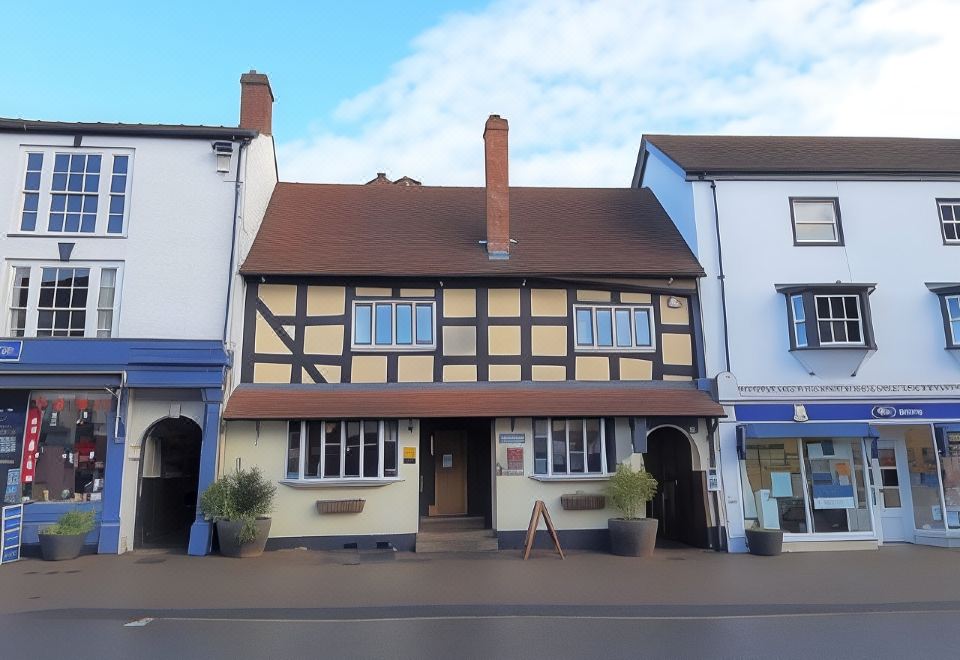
[10, 351]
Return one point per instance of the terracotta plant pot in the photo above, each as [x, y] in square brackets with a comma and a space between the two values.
[227, 531]
[765, 542]
[633, 538]
[57, 547]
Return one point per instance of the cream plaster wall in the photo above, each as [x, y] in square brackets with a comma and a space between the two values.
[325, 300]
[389, 509]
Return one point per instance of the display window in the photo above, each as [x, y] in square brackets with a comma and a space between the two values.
[924, 481]
[950, 468]
[805, 485]
[71, 446]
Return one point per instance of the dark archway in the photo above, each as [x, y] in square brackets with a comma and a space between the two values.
[680, 503]
[169, 477]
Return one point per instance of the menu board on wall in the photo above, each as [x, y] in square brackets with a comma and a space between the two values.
[13, 408]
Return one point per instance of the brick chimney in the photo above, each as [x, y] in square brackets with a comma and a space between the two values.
[498, 187]
[256, 102]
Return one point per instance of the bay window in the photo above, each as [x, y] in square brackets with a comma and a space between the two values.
[823, 316]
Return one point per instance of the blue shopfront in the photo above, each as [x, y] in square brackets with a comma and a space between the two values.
[858, 473]
[126, 428]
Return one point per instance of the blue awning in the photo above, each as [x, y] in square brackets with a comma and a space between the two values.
[810, 430]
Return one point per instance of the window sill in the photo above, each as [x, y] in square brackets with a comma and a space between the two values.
[393, 349]
[835, 347]
[61, 236]
[339, 483]
[569, 477]
[614, 349]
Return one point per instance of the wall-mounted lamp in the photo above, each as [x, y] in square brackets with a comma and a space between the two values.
[224, 151]
[410, 425]
[674, 303]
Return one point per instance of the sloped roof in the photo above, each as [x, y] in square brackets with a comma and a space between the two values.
[809, 155]
[328, 229]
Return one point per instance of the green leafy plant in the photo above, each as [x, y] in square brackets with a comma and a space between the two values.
[242, 496]
[629, 490]
[72, 523]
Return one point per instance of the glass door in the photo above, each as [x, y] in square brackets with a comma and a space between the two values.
[890, 505]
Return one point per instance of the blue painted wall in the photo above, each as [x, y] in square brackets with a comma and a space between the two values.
[668, 182]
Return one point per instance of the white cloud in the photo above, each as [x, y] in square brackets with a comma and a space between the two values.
[581, 81]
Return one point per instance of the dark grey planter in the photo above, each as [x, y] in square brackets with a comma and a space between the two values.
[633, 538]
[765, 542]
[227, 531]
[57, 547]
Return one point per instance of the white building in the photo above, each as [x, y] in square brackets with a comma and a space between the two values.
[831, 313]
[119, 250]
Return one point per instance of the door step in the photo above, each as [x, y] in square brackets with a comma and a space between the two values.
[469, 540]
[451, 523]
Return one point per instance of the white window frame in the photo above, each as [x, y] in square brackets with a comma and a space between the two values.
[604, 468]
[393, 346]
[835, 223]
[955, 205]
[955, 336]
[844, 319]
[93, 294]
[631, 309]
[799, 321]
[46, 192]
[320, 478]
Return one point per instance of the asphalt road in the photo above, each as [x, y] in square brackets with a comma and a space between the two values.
[465, 633]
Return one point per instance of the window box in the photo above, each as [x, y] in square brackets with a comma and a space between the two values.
[340, 506]
[816, 221]
[583, 502]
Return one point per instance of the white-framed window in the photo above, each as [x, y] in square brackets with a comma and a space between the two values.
[77, 192]
[342, 449]
[953, 318]
[565, 447]
[614, 327]
[394, 325]
[76, 299]
[950, 220]
[839, 321]
[816, 221]
[799, 321]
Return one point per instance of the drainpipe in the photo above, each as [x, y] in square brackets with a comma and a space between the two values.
[720, 275]
[233, 239]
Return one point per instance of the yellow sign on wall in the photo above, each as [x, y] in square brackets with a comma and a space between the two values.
[409, 455]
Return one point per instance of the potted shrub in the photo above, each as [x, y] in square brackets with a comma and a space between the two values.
[239, 503]
[64, 539]
[629, 490]
[764, 542]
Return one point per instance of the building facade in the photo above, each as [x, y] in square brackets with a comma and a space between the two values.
[831, 321]
[119, 250]
[414, 353]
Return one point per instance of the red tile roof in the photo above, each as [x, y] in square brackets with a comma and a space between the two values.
[326, 229]
[250, 401]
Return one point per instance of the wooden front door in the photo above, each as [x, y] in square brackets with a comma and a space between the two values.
[450, 473]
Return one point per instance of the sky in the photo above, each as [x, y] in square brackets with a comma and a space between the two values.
[405, 88]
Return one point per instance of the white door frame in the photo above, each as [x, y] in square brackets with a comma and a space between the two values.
[897, 443]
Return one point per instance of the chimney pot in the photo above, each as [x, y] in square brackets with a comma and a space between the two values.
[497, 187]
[256, 102]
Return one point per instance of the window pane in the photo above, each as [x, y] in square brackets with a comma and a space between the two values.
[558, 436]
[311, 467]
[836, 490]
[950, 231]
[814, 212]
[390, 448]
[955, 328]
[853, 331]
[823, 308]
[293, 450]
[576, 444]
[594, 446]
[773, 494]
[384, 331]
[801, 335]
[424, 324]
[624, 337]
[351, 464]
[404, 324]
[120, 164]
[797, 302]
[584, 327]
[816, 232]
[604, 327]
[540, 446]
[953, 307]
[34, 161]
[641, 320]
[371, 448]
[946, 211]
[361, 324]
[331, 467]
[839, 331]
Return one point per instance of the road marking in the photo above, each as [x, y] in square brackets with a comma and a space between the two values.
[139, 623]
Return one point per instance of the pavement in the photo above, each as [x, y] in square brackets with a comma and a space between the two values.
[896, 601]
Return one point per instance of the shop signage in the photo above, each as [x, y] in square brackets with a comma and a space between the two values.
[512, 438]
[12, 408]
[931, 390]
[12, 521]
[409, 455]
[833, 496]
[514, 461]
[713, 480]
[10, 351]
[31, 439]
[835, 412]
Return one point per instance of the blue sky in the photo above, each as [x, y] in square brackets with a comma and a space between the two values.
[404, 88]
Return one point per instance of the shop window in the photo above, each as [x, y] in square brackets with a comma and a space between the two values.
[950, 471]
[564, 447]
[805, 485]
[58, 301]
[614, 328]
[828, 316]
[950, 220]
[394, 325]
[924, 480]
[337, 449]
[75, 192]
[816, 221]
[70, 456]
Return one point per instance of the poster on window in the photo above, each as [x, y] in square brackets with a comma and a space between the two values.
[13, 406]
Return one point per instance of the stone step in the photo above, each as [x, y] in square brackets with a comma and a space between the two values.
[451, 523]
[480, 540]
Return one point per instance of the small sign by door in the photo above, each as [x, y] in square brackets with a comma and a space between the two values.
[447, 461]
[713, 480]
[12, 533]
[409, 455]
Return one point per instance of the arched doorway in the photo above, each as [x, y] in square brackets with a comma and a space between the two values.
[680, 503]
[169, 476]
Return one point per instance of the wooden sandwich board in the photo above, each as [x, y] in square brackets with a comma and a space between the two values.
[540, 510]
